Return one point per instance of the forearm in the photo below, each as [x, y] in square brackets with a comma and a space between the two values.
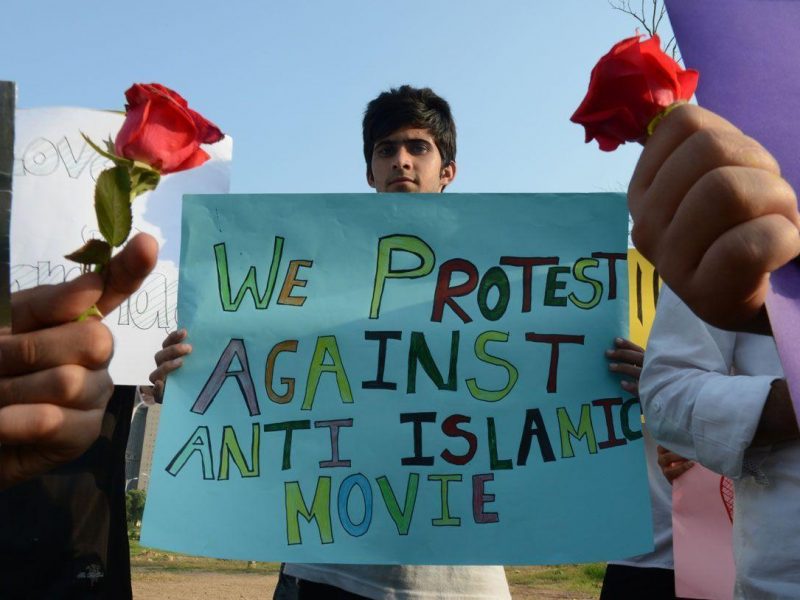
[694, 406]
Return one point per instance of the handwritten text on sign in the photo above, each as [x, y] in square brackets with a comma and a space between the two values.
[401, 378]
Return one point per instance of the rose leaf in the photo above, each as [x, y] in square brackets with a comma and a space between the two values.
[143, 179]
[117, 160]
[112, 204]
[93, 252]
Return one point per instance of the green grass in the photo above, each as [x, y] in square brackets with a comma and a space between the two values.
[146, 558]
[579, 579]
[585, 579]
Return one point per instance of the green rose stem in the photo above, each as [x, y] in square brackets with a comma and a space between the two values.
[92, 311]
[114, 192]
[651, 126]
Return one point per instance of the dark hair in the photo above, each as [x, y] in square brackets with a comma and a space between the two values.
[408, 106]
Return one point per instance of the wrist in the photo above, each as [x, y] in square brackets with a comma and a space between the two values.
[778, 422]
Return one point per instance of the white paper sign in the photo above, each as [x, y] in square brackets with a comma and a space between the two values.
[53, 215]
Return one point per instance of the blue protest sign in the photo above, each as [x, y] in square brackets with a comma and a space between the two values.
[401, 378]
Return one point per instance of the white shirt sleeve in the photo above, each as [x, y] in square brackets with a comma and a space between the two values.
[693, 402]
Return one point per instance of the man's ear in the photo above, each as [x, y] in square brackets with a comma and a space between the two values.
[370, 178]
[448, 174]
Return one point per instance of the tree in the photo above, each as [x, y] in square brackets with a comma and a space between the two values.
[649, 15]
[134, 507]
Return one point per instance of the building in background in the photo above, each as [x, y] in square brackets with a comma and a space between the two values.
[141, 440]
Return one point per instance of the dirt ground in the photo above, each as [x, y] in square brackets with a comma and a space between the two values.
[200, 585]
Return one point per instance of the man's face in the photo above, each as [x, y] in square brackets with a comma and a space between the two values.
[408, 160]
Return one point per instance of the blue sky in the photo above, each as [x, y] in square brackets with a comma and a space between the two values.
[289, 80]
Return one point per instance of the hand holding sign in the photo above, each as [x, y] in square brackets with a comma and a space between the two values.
[169, 358]
[627, 360]
[54, 381]
[714, 215]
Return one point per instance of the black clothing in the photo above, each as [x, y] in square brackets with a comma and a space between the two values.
[626, 582]
[64, 534]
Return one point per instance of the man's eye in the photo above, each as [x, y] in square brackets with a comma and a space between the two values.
[384, 151]
[419, 148]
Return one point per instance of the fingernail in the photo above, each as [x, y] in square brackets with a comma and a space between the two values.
[609, 352]
[613, 366]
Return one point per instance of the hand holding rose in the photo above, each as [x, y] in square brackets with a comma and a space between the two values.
[713, 215]
[54, 382]
[710, 209]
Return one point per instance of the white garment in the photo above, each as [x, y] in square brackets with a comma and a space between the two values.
[409, 582]
[661, 503]
[703, 390]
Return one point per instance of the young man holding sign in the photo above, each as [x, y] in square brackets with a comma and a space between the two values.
[409, 146]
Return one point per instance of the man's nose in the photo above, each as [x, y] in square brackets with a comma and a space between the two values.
[402, 158]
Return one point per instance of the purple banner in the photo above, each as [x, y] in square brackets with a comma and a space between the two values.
[746, 52]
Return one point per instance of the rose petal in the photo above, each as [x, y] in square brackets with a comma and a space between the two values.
[167, 138]
[195, 160]
[162, 131]
[628, 87]
[207, 132]
[132, 127]
[688, 83]
[167, 92]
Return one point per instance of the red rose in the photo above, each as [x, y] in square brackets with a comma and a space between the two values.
[631, 85]
[162, 131]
